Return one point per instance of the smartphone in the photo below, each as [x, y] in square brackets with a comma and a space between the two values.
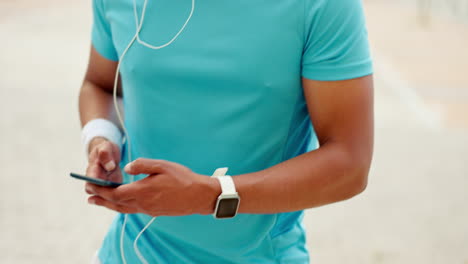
[96, 180]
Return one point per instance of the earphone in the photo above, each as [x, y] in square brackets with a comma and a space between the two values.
[139, 25]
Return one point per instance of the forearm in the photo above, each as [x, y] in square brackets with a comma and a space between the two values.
[96, 102]
[320, 177]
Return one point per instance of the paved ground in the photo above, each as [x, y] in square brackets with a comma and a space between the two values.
[414, 210]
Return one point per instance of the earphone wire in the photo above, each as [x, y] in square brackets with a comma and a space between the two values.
[139, 25]
[146, 44]
[127, 138]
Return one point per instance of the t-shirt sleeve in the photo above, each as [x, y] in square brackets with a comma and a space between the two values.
[101, 36]
[336, 44]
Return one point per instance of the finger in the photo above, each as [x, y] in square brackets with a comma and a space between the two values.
[147, 166]
[124, 209]
[115, 176]
[115, 153]
[106, 157]
[120, 194]
[88, 189]
[93, 146]
[95, 170]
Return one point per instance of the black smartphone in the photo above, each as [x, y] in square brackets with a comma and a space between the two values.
[96, 180]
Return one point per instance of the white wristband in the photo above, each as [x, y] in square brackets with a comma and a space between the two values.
[101, 128]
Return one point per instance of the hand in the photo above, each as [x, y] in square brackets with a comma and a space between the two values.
[104, 157]
[170, 189]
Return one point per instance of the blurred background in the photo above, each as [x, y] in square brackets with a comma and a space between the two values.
[415, 209]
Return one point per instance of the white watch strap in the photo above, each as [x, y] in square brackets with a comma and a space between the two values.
[227, 185]
[220, 172]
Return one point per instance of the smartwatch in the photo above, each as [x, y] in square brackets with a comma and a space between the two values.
[228, 201]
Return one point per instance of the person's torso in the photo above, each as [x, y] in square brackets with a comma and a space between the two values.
[226, 93]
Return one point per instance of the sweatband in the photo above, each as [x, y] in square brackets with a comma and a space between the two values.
[101, 128]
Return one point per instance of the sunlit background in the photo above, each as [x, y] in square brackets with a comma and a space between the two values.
[415, 209]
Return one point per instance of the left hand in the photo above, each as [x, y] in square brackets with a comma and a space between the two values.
[170, 190]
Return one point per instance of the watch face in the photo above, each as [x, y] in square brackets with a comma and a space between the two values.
[227, 207]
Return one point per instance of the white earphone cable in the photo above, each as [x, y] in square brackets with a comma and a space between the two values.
[139, 25]
[135, 242]
[127, 138]
[144, 43]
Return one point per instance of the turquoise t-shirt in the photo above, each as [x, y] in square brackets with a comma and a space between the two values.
[226, 93]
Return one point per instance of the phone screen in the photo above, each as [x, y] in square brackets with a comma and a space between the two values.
[95, 180]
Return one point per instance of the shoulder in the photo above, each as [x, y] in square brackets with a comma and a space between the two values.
[332, 8]
[333, 14]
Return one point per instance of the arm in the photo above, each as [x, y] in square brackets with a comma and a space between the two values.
[96, 101]
[335, 48]
[342, 113]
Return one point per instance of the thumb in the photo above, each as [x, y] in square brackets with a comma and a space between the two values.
[146, 166]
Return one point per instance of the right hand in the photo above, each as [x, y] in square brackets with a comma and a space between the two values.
[103, 160]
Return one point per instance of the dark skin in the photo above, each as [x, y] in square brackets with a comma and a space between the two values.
[342, 114]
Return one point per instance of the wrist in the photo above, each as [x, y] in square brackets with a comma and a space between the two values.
[212, 190]
[100, 128]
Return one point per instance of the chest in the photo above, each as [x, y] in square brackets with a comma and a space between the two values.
[254, 42]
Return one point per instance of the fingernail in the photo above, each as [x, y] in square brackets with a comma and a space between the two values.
[91, 201]
[128, 167]
[110, 166]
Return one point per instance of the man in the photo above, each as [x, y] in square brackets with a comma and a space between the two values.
[239, 88]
